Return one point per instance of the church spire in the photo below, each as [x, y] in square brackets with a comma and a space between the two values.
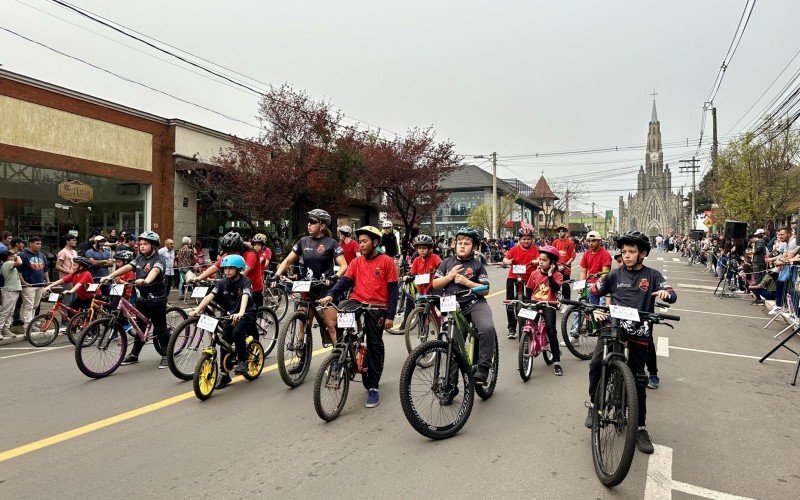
[654, 115]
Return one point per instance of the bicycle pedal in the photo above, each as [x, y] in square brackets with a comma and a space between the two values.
[588, 404]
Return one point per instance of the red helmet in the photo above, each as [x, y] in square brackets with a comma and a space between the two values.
[552, 252]
[525, 231]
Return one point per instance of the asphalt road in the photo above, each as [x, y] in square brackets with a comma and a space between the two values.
[722, 424]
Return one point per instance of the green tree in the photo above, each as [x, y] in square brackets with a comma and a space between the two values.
[480, 217]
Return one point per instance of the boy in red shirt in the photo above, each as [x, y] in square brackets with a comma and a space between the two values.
[566, 250]
[233, 244]
[427, 262]
[262, 250]
[595, 260]
[349, 246]
[81, 278]
[543, 285]
[523, 254]
[373, 277]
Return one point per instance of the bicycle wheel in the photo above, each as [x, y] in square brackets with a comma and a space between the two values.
[294, 360]
[276, 299]
[76, 324]
[267, 328]
[486, 390]
[331, 387]
[100, 348]
[424, 391]
[255, 361]
[614, 424]
[42, 330]
[185, 347]
[576, 335]
[524, 358]
[205, 376]
[422, 327]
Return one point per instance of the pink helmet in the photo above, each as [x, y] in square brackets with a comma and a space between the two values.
[552, 252]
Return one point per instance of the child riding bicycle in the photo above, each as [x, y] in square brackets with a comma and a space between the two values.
[543, 285]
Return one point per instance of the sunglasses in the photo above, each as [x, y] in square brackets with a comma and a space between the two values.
[311, 222]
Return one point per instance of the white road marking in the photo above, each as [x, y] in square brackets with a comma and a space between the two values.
[704, 287]
[659, 258]
[717, 314]
[36, 351]
[659, 484]
[662, 347]
[733, 355]
[683, 290]
[675, 259]
[707, 280]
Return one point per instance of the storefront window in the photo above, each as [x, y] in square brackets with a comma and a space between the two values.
[49, 203]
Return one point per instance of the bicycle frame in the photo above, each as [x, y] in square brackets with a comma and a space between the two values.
[132, 314]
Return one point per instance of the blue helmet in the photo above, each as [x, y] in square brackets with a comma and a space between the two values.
[236, 261]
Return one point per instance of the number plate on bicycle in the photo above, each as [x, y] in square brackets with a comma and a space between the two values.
[301, 286]
[448, 303]
[199, 292]
[345, 320]
[207, 323]
[578, 285]
[53, 297]
[620, 312]
[518, 269]
[527, 313]
[422, 279]
[92, 287]
[117, 290]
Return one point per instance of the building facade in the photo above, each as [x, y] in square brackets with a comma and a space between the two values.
[654, 209]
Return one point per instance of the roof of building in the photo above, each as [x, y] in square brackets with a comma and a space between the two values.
[542, 190]
[654, 115]
[471, 177]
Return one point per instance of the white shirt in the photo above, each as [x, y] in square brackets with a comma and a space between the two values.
[169, 258]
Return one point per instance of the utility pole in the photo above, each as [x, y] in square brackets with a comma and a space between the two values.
[593, 228]
[693, 167]
[494, 195]
[566, 196]
[714, 144]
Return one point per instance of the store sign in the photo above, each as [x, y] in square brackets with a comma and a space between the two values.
[75, 191]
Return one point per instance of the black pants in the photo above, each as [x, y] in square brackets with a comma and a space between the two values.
[376, 351]
[155, 311]
[511, 284]
[480, 315]
[258, 298]
[637, 358]
[549, 316]
[238, 334]
[566, 289]
[652, 365]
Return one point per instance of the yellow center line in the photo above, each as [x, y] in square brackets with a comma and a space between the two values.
[106, 422]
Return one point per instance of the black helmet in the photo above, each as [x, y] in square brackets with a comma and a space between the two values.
[471, 232]
[82, 261]
[422, 240]
[321, 214]
[232, 241]
[637, 238]
[123, 255]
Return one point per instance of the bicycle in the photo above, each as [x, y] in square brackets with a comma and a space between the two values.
[408, 290]
[43, 329]
[99, 308]
[532, 337]
[432, 373]
[519, 271]
[578, 326]
[275, 296]
[423, 322]
[104, 342]
[347, 359]
[615, 407]
[187, 341]
[204, 377]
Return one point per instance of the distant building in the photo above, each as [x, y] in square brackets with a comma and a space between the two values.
[550, 217]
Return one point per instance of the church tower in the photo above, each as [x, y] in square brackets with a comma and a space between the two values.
[654, 156]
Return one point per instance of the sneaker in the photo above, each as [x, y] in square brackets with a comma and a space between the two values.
[448, 399]
[653, 382]
[373, 398]
[757, 302]
[164, 363]
[512, 333]
[558, 370]
[643, 442]
[240, 368]
[223, 380]
[130, 360]
[297, 368]
[480, 375]
[588, 421]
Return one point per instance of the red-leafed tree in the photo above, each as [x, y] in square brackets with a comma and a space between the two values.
[408, 171]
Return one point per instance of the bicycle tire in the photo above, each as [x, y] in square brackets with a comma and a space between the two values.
[185, 348]
[419, 330]
[38, 337]
[622, 393]
[267, 327]
[76, 324]
[277, 299]
[255, 361]
[323, 381]
[101, 339]
[205, 376]
[438, 350]
[524, 358]
[584, 354]
[288, 334]
[173, 317]
[485, 391]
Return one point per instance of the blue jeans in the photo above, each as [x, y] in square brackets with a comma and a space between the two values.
[763, 293]
[594, 299]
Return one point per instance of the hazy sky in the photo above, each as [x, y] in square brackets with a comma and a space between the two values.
[506, 76]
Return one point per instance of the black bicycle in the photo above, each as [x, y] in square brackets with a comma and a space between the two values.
[615, 408]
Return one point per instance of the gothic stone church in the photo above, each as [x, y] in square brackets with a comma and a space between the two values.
[654, 209]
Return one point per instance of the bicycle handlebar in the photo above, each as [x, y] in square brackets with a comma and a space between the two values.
[362, 306]
[537, 304]
[650, 315]
[476, 290]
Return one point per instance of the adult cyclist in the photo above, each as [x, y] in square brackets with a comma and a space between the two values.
[233, 244]
[389, 240]
[524, 254]
[320, 252]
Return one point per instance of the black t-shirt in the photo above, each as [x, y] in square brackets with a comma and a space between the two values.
[473, 269]
[142, 266]
[228, 294]
[389, 244]
[635, 289]
[318, 254]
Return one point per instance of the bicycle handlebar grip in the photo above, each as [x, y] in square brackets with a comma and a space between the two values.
[479, 289]
[670, 317]
[573, 302]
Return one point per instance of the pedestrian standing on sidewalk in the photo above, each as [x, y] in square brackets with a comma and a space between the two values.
[33, 272]
[5, 241]
[65, 256]
[185, 258]
[168, 252]
[10, 292]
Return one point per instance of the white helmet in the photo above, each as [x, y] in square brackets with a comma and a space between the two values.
[593, 235]
[387, 224]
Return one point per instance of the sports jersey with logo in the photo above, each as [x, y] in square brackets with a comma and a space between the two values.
[319, 254]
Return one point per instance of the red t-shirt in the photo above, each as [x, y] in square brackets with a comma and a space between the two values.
[520, 256]
[595, 262]
[371, 278]
[251, 260]
[128, 277]
[263, 256]
[350, 250]
[540, 286]
[84, 277]
[428, 265]
[566, 248]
